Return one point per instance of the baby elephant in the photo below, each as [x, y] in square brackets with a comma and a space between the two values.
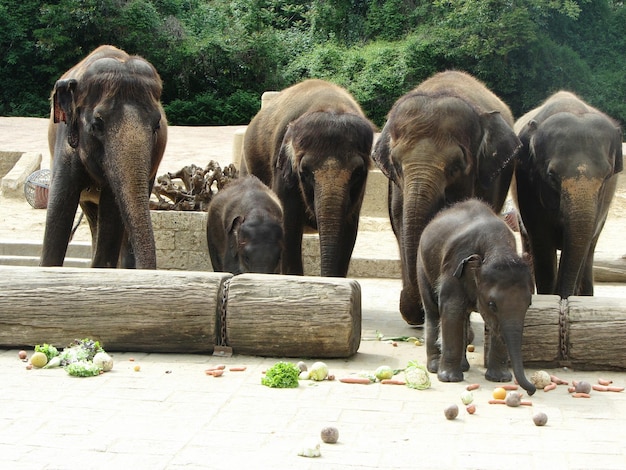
[245, 228]
[467, 261]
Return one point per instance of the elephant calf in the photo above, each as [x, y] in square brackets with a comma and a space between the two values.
[467, 261]
[565, 181]
[244, 228]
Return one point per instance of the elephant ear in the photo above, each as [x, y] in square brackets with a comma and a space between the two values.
[498, 147]
[381, 154]
[524, 157]
[472, 262]
[285, 169]
[64, 108]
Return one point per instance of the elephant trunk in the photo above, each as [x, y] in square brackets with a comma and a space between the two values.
[579, 202]
[512, 333]
[337, 222]
[128, 167]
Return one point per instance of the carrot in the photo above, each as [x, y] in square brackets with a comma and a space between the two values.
[392, 382]
[509, 386]
[217, 367]
[571, 389]
[558, 381]
[237, 369]
[355, 380]
[581, 395]
[471, 387]
[494, 401]
[605, 382]
[526, 403]
[547, 388]
[616, 389]
[606, 388]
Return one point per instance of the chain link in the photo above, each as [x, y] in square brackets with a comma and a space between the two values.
[225, 288]
[563, 331]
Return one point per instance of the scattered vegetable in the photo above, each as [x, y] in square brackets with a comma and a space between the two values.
[302, 366]
[471, 387]
[38, 359]
[330, 435]
[22, 354]
[103, 360]
[605, 382]
[137, 368]
[540, 379]
[52, 363]
[392, 382]
[282, 375]
[470, 348]
[582, 387]
[83, 369]
[467, 397]
[471, 409]
[318, 371]
[384, 372]
[549, 387]
[513, 399]
[581, 395]
[416, 376]
[238, 369]
[499, 393]
[310, 451]
[355, 380]
[540, 418]
[509, 386]
[451, 411]
[607, 388]
[558, 381]
[49, 350]
[304, 375]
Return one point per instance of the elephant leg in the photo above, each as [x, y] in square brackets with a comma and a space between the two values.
[127, 254]
[453, 334]
[497, 359]
[90, 210]
[110, 232]
[60, 214]
[469, 337]
[431, 309]
[293, 213]
[544, 265]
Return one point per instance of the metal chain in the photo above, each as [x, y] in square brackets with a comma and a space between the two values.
[225, 288]
[563, 330]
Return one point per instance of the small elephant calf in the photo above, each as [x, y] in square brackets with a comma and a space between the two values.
[245, 228]
[467, 261]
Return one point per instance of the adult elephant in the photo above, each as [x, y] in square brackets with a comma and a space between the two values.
[107, 135]
[447, 140]
[564, 184]
[311, 144]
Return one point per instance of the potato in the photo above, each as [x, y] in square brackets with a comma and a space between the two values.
[451, 412]
[330, 435]
[540, 418]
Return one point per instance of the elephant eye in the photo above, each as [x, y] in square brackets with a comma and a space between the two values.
[492, 306]
[97, 125]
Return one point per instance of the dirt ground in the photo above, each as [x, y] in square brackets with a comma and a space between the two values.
[199, 145]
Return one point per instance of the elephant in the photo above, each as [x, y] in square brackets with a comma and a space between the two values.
[107, 135]
[467, 261]
[447, 140]
[564, 183]
[311, 144]
[245, 228]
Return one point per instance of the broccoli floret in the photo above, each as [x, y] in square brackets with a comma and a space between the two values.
[282, 375]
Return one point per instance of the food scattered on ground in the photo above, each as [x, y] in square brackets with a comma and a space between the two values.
[392, 382]
[540, 418]
[38, 359]
[581, 395]
[83, 369]
[549, 387]
[470, 348]
[471, 387]
[22, 355]
[416, 376]
[214, 372]
[558, 381]
[307, 451]
[237, 369]
[513, 398]
[281, 375]
[49, 350]
[582, 386]
[451, 411]
[302, 366]
[467, 397]
[137, 368]
[103, 360]
[471, 409]
[499, 393]
[318, 371]
[330, 435]
[384, 372]
[607, 388]
[605, 381]
[510, 386]
[355, 380]
[540, 378]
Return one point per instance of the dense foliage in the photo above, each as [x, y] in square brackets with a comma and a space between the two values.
[216, 57]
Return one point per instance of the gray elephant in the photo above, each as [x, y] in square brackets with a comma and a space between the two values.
[311, 145]
[107, 135]
[467, 261]
[564, 183]
[447, 140]
[245, 228]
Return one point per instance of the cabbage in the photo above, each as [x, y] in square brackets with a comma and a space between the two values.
[318, 371]
[416, 376]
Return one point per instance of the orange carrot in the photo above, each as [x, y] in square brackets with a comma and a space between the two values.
[471, 387]
[558, 381]
[392, 382]
[355, 380]
[581, 395]
[605, 382]
[547, 388]
[494, 401]
[237, 369]
[509, 386]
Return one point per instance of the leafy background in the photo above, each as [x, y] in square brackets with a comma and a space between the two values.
[217, 57]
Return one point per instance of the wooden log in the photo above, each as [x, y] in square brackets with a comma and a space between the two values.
[293, 316]
[126, 310]
[541, 330]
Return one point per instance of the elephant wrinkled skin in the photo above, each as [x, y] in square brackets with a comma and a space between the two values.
[447, 140]
[564, 184]
[467, 261]
[107, 135]
[311, 144]
[245, 228]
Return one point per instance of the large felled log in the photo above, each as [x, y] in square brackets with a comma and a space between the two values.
[293, 316]
[127, 310]
[175, 311]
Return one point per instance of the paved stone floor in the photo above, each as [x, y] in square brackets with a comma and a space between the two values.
[172, 415]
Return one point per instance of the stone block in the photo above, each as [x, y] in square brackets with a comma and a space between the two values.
[12, 184]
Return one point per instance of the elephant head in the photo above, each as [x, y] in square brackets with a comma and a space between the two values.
[447, 140]
[107, 136]
[325, 158]
[504, 290]
[566, 179]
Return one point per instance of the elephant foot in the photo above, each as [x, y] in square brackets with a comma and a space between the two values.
[465, 364]
[450, 376]
[433, 365]
[498, 375]
[411, 308]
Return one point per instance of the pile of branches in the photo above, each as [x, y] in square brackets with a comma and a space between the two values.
[197, 189]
